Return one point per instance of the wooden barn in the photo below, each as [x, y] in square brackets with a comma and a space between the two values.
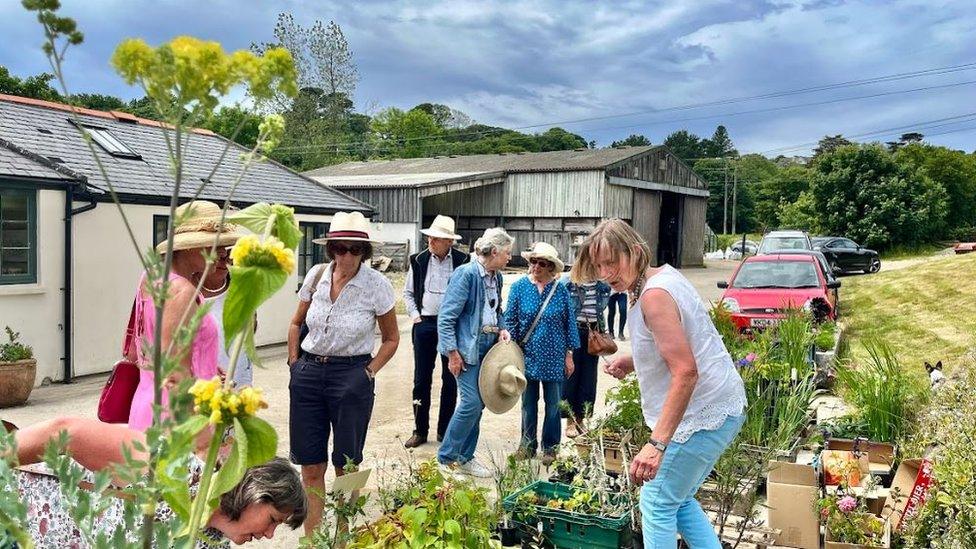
[556, 197]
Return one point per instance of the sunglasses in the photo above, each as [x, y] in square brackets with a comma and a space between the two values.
[342, 249]
[540, 262]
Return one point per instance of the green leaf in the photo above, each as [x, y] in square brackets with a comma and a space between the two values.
[249, 288]
[452, 528]
[176, 493]
[286, 229]
[232, 471]
[184, 433]
[254, 217]
[262, 440]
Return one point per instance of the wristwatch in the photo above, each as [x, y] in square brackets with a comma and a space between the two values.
[661, 447]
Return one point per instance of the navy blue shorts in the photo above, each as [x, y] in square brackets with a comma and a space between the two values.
[329, 395]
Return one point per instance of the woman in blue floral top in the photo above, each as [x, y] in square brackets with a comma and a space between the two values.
[548, 348]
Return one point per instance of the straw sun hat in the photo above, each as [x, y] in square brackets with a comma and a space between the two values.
[543, 250]
[501, 380]
[199, 223]
[441, 227]
[348, 226]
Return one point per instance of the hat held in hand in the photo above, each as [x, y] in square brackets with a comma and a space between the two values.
[502, 377]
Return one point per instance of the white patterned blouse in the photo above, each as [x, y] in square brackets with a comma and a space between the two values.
[346, 327]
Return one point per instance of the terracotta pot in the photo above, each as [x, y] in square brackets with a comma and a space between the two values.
[16, 381]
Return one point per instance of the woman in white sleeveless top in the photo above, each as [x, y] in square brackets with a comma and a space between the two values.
[691, 395]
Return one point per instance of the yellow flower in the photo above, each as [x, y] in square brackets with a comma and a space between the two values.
[249, 251]
[203, 390]
[252, 400]
[232, 403]
[215, 416]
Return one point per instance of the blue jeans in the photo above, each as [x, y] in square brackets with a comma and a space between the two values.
[461, 438]
[618, 305]
[551, 424]
[667, 502]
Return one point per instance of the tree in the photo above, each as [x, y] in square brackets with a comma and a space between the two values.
[720, 145]
[685, 145]
[35, 87]
[633, 140]
[98, 101]
[905, 139]
[954, 170]
[830, 143]
[782, 189]
[236, 123]
[405, 134]
[445, 116]
[558, 139]
[861, 192]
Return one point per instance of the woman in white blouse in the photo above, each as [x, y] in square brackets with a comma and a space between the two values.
[691, 395]
[333, 369]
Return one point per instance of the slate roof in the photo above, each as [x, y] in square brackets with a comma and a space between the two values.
[554, 161]
[149, 177]
[13, 162]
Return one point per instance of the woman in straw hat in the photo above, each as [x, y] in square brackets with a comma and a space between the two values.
[691, 395]
[333, 368]
[468, 325]
[198, 229]
[540, 318]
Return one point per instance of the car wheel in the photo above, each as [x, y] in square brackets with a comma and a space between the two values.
[875, 266]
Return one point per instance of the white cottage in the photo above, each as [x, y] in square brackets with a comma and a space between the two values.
[68, 269]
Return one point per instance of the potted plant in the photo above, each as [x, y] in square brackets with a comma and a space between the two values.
[18, 369]
[850, 525]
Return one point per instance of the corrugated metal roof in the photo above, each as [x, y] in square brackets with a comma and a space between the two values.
[387, 181]
[150, 176]
[554, 161]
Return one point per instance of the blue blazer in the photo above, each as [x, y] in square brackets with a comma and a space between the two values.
[459, 319]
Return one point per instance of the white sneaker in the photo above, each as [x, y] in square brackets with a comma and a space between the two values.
[449, 470]
[475, 469]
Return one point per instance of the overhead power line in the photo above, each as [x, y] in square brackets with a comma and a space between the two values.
[771, 95]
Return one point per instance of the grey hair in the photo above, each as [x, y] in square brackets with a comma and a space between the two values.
[494, 239]
[276, 483]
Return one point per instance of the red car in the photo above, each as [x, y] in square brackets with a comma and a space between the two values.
[765, 287]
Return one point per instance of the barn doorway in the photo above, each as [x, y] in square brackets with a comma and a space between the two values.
[669, 231]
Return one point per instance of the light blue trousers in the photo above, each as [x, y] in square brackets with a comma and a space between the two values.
[667, 502]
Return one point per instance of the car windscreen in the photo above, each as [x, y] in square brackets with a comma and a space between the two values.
[783, 243]
[777, 274]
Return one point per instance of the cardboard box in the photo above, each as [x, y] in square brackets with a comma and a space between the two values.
[834, 474]
[881, 455]
[875, 501]
[792, 492]
[912, 481]
[885, 541]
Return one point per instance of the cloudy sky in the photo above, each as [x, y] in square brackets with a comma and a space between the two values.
[600, 69]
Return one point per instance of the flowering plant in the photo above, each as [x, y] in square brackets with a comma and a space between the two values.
[849, 521]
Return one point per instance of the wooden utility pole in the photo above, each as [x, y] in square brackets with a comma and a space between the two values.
[735, 190]
[725, 209]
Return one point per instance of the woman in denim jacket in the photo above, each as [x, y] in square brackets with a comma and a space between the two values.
[469, 323]
[589, 302]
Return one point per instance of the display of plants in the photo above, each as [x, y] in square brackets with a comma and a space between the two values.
[884, 394]
[434, 512]
[847, 520]
[824, 338]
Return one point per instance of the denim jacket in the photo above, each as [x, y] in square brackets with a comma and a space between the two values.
[603, 292]
[459, 319]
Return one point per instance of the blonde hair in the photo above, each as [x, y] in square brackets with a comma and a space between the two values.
[613, 236]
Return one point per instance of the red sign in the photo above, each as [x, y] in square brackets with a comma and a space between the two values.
[919, 493]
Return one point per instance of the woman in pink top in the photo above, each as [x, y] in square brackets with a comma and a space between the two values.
[199, 226]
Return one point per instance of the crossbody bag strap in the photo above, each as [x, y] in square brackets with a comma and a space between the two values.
[538, 315]
[130, 333]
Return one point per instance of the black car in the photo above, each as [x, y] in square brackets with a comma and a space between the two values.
[844, 255]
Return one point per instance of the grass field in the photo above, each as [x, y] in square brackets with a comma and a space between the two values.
[925, 311]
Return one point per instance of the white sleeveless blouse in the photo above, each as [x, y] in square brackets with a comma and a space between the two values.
[719, 392]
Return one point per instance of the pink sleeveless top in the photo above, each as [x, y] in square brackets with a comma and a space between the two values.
[203, 353]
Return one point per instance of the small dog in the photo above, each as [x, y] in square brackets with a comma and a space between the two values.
[936, 377]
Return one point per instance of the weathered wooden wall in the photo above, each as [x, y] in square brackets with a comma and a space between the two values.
[393, 205]
[618, 201]
[693, 231]
[555, 194]
[658, 166]
[647, 217]
[480, 201]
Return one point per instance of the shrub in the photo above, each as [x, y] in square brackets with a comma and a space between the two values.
[13, 350]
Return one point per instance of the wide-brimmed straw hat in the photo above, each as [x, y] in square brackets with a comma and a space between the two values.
[348, 226]
[502, 377]
[441, 227]
[198, 224]
[543, 250]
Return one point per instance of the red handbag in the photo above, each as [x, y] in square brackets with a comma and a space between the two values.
[116, 399]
